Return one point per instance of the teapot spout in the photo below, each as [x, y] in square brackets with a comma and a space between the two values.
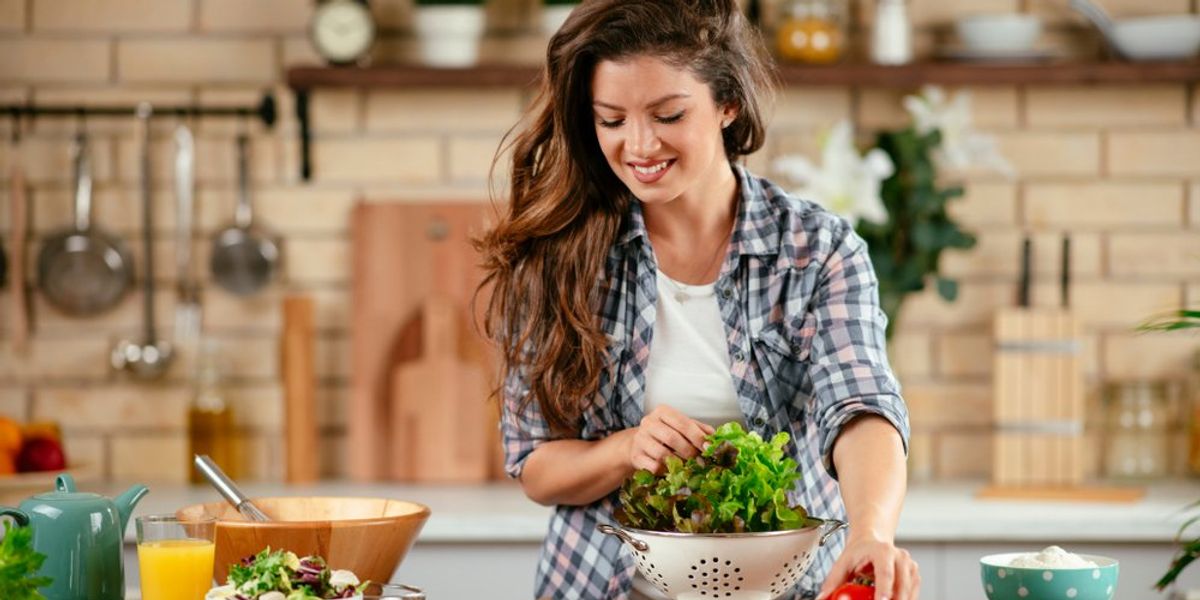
[125, 502]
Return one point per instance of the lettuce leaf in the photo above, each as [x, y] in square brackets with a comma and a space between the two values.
[739, 484]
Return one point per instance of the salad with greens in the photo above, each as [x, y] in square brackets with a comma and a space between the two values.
[738, 484]
[281, 575]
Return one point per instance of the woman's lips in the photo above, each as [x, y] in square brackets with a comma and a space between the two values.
[651, 172]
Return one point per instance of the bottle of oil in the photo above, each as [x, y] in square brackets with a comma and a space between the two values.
[211, 426]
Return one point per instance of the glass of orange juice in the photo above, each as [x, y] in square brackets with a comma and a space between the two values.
[175, 557]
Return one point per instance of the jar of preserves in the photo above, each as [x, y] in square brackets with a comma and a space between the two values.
[813, 31]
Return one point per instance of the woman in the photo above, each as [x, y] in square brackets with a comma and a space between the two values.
[629, 223]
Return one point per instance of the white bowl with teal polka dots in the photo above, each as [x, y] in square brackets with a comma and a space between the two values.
[1002, 582]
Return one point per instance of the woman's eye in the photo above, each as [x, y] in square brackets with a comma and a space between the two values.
[611, 124]
[672, 118]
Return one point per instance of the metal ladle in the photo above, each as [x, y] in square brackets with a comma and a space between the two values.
[150, 359]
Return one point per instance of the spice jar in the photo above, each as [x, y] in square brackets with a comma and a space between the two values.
[1138, 440]
[813, 31]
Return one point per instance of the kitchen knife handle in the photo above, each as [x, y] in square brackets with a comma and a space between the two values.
[1026, 267]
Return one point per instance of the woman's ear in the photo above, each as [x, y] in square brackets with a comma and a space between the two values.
[728, 115]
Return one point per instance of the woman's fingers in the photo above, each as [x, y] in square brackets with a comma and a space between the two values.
[666, 431]
[671, 438]
[686, 426]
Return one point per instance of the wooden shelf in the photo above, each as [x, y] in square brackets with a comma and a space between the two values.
[848, 74]
[304, 79]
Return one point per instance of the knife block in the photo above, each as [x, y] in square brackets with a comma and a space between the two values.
[1038, 405]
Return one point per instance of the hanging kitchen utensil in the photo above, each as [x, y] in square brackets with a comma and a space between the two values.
[81, 270]
[19, 217]
[149, 359]
[187, 305]
[244, 257]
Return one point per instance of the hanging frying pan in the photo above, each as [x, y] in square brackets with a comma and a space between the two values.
[83, 271]
[244, 257]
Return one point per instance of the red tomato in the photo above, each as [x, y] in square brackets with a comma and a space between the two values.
[853, 591]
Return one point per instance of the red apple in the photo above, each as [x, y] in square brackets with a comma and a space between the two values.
[41, 454]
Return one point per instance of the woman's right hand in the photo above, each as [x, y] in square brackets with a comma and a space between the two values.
[665, 431]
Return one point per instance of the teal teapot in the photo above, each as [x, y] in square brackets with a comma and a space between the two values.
[82, 536]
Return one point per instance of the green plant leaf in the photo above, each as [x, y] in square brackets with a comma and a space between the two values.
[19, 564]
[947, 289]
[1174, 321]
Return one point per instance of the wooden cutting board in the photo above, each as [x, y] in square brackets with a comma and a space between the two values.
[440, 419]
[403, 254]
[302, 439]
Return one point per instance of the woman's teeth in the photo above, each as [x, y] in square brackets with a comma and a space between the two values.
[649, 170]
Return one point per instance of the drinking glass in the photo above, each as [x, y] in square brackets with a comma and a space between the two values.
[175, 557]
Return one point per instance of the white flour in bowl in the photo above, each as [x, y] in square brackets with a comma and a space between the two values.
[1052, 557]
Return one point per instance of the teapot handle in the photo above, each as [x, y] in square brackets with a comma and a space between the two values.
[65, 483]
[19, 516]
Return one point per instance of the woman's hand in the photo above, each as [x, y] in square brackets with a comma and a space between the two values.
[896, 574]
[665, 431]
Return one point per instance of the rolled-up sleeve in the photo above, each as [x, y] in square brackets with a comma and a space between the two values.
[522, 426]
[848, 363]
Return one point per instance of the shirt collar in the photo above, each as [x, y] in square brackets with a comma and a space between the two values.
[756, 232]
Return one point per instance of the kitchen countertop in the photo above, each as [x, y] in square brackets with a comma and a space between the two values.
[942, 512]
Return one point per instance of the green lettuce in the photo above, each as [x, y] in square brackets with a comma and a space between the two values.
[739, 484]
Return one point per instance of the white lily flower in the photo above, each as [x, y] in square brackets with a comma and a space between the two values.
[962, 146]
[846, 183]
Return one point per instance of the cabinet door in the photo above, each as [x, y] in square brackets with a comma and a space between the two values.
[929, 558]
[471, 570]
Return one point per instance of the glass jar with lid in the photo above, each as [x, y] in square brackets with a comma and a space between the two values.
[813, 31]
[1137, 418]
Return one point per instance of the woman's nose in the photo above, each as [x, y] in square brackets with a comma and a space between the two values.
[643, 140]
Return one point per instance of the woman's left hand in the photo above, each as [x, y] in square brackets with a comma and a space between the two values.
[897, 576]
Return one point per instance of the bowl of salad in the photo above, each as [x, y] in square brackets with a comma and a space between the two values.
[281, 575]
[369, 536]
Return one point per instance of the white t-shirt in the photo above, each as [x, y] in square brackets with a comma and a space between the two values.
[689, 366]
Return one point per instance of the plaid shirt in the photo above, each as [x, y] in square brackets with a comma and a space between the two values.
[805, 334]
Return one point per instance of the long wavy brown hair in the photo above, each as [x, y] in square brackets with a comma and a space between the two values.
[545, 257]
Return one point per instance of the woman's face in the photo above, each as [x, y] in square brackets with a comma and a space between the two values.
[658, 127]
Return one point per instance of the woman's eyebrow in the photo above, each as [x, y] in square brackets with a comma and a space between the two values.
[650, 105]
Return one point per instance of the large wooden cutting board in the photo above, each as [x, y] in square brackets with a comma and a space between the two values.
[404, 254]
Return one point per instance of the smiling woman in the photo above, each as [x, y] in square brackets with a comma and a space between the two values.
[629, 221]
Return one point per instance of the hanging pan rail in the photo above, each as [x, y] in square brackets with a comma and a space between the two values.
[264, 111]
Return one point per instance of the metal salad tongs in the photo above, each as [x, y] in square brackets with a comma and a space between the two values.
[228, 490]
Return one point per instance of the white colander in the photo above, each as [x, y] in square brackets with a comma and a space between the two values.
[738, 566]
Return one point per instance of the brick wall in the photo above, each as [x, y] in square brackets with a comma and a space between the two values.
[1118, 167]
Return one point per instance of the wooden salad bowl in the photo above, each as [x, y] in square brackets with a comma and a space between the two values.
[369, 536]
